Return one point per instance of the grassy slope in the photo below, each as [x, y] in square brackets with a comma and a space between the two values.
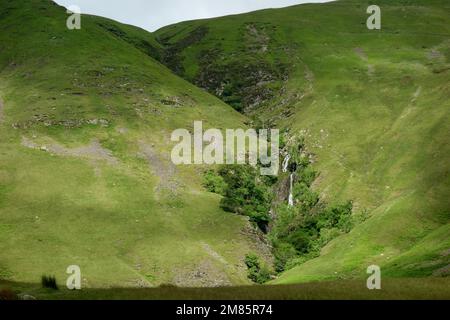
[126, 223]
[375, 105]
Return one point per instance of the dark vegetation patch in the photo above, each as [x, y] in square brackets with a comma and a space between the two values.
[244, 83]
[247, 193]
[258, 272]
[172, 56]
[245, 80]
[214, 183]
[49, 282]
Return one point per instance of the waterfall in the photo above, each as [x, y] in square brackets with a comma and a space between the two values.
[291, 186]
[291, 195]
[286, 163]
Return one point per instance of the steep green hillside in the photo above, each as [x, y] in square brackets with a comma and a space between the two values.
[85, 170]
[372, 105]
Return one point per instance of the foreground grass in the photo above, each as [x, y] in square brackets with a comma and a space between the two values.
[392, 289]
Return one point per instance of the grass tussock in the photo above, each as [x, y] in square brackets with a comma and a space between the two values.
[49, 282]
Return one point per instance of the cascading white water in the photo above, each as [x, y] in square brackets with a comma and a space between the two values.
[291, 187]
[291, 195]
[286, 163]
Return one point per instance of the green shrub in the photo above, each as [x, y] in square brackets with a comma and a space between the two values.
[326, 235]
[308, 176]
[246, 193]
[252, 261]
[283, 253]
[257, 272]
[300, 239]
[337, 216]
[214, 182]
[306, 197]
[360, 217]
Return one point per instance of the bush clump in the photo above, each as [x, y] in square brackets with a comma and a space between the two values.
[247, 193]
[257, 271]
[214, 182]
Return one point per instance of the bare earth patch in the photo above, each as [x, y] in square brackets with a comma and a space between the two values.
[93, 151]
[205, 274]
[164, 169]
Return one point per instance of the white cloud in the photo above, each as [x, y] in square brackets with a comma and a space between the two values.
[154, 14]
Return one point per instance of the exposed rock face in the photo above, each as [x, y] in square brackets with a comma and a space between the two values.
[245, 84]
[246, 80]
[206, 274]
[162, 168]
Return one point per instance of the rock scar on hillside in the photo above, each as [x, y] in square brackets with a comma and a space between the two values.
[93, 151]
[370, 67]
[258, 241]
[435, 54]
[213, 253]
[163, 169]
[205, 274]
[259, 38]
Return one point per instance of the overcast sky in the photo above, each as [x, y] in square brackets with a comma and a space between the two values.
[154, 14]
